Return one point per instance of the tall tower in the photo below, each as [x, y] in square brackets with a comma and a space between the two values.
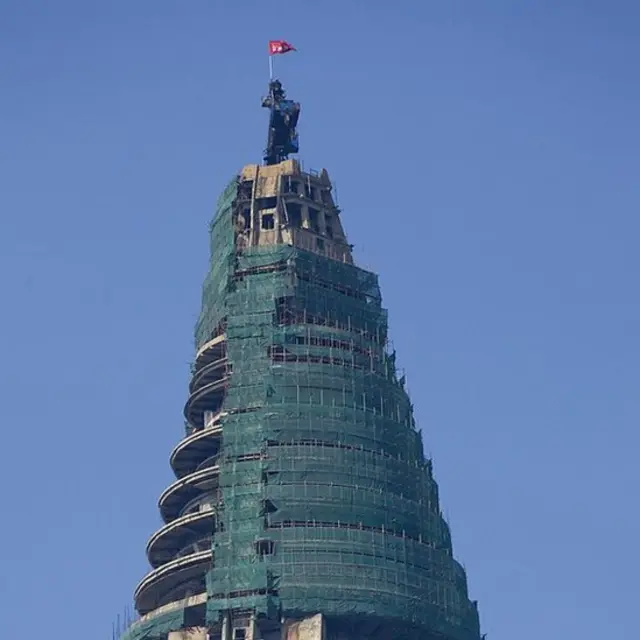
[304, 507]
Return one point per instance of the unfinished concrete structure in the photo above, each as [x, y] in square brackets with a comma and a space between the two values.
[304, 507]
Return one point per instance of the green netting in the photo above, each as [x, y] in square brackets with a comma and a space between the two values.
[220, 264]
[156, 627]
[321, 457]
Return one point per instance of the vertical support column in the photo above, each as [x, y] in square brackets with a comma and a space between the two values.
[277, 218]
[305, 216]
[253, 631]
[226, 626]
[255, 222]
[322, 223]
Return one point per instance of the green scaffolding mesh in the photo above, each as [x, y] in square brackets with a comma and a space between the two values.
[156, 627]
[322, 461]
[328, 504]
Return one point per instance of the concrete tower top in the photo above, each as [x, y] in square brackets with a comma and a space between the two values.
[282, 204]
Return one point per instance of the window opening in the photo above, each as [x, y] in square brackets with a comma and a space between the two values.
[328, 227]
[314, 216]
[290, 186]
[266, 203]
[265, 548]
[294, 213]
[268, 221]
[309, 191]
[245, 190]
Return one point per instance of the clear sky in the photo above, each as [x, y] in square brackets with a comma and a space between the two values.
[486, 155]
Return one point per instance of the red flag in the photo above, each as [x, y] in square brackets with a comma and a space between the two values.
[279, 46]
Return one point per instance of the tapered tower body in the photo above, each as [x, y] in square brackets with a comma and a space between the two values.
[304, 507]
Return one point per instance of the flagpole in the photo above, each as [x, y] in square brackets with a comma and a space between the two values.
[277, 46]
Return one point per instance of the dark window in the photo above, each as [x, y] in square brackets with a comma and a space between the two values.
[327, 226]
[294, 214]
[314, 216]
[268, 506]
[290, 186]
[265, 547]
[268, 221]
[266, 203]
[245, 190]
[309, 191]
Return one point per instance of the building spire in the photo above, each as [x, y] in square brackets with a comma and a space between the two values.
[283, 136]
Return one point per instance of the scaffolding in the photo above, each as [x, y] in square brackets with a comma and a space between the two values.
[329, 502]
[326, 500]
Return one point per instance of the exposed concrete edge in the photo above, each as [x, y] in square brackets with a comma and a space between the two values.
[192, 601]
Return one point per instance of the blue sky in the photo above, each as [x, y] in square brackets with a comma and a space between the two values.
[486, 156]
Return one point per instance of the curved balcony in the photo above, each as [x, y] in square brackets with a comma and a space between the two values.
[208, 501]
[203, 543]
[189, 453]
[210, 351]
[177, 496]
[209, 381]
[212, 372]
[211, 461]
[172, 581]
[206, 398]
[165, 545]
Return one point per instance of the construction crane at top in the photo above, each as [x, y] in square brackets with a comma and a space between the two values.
[282, 139]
